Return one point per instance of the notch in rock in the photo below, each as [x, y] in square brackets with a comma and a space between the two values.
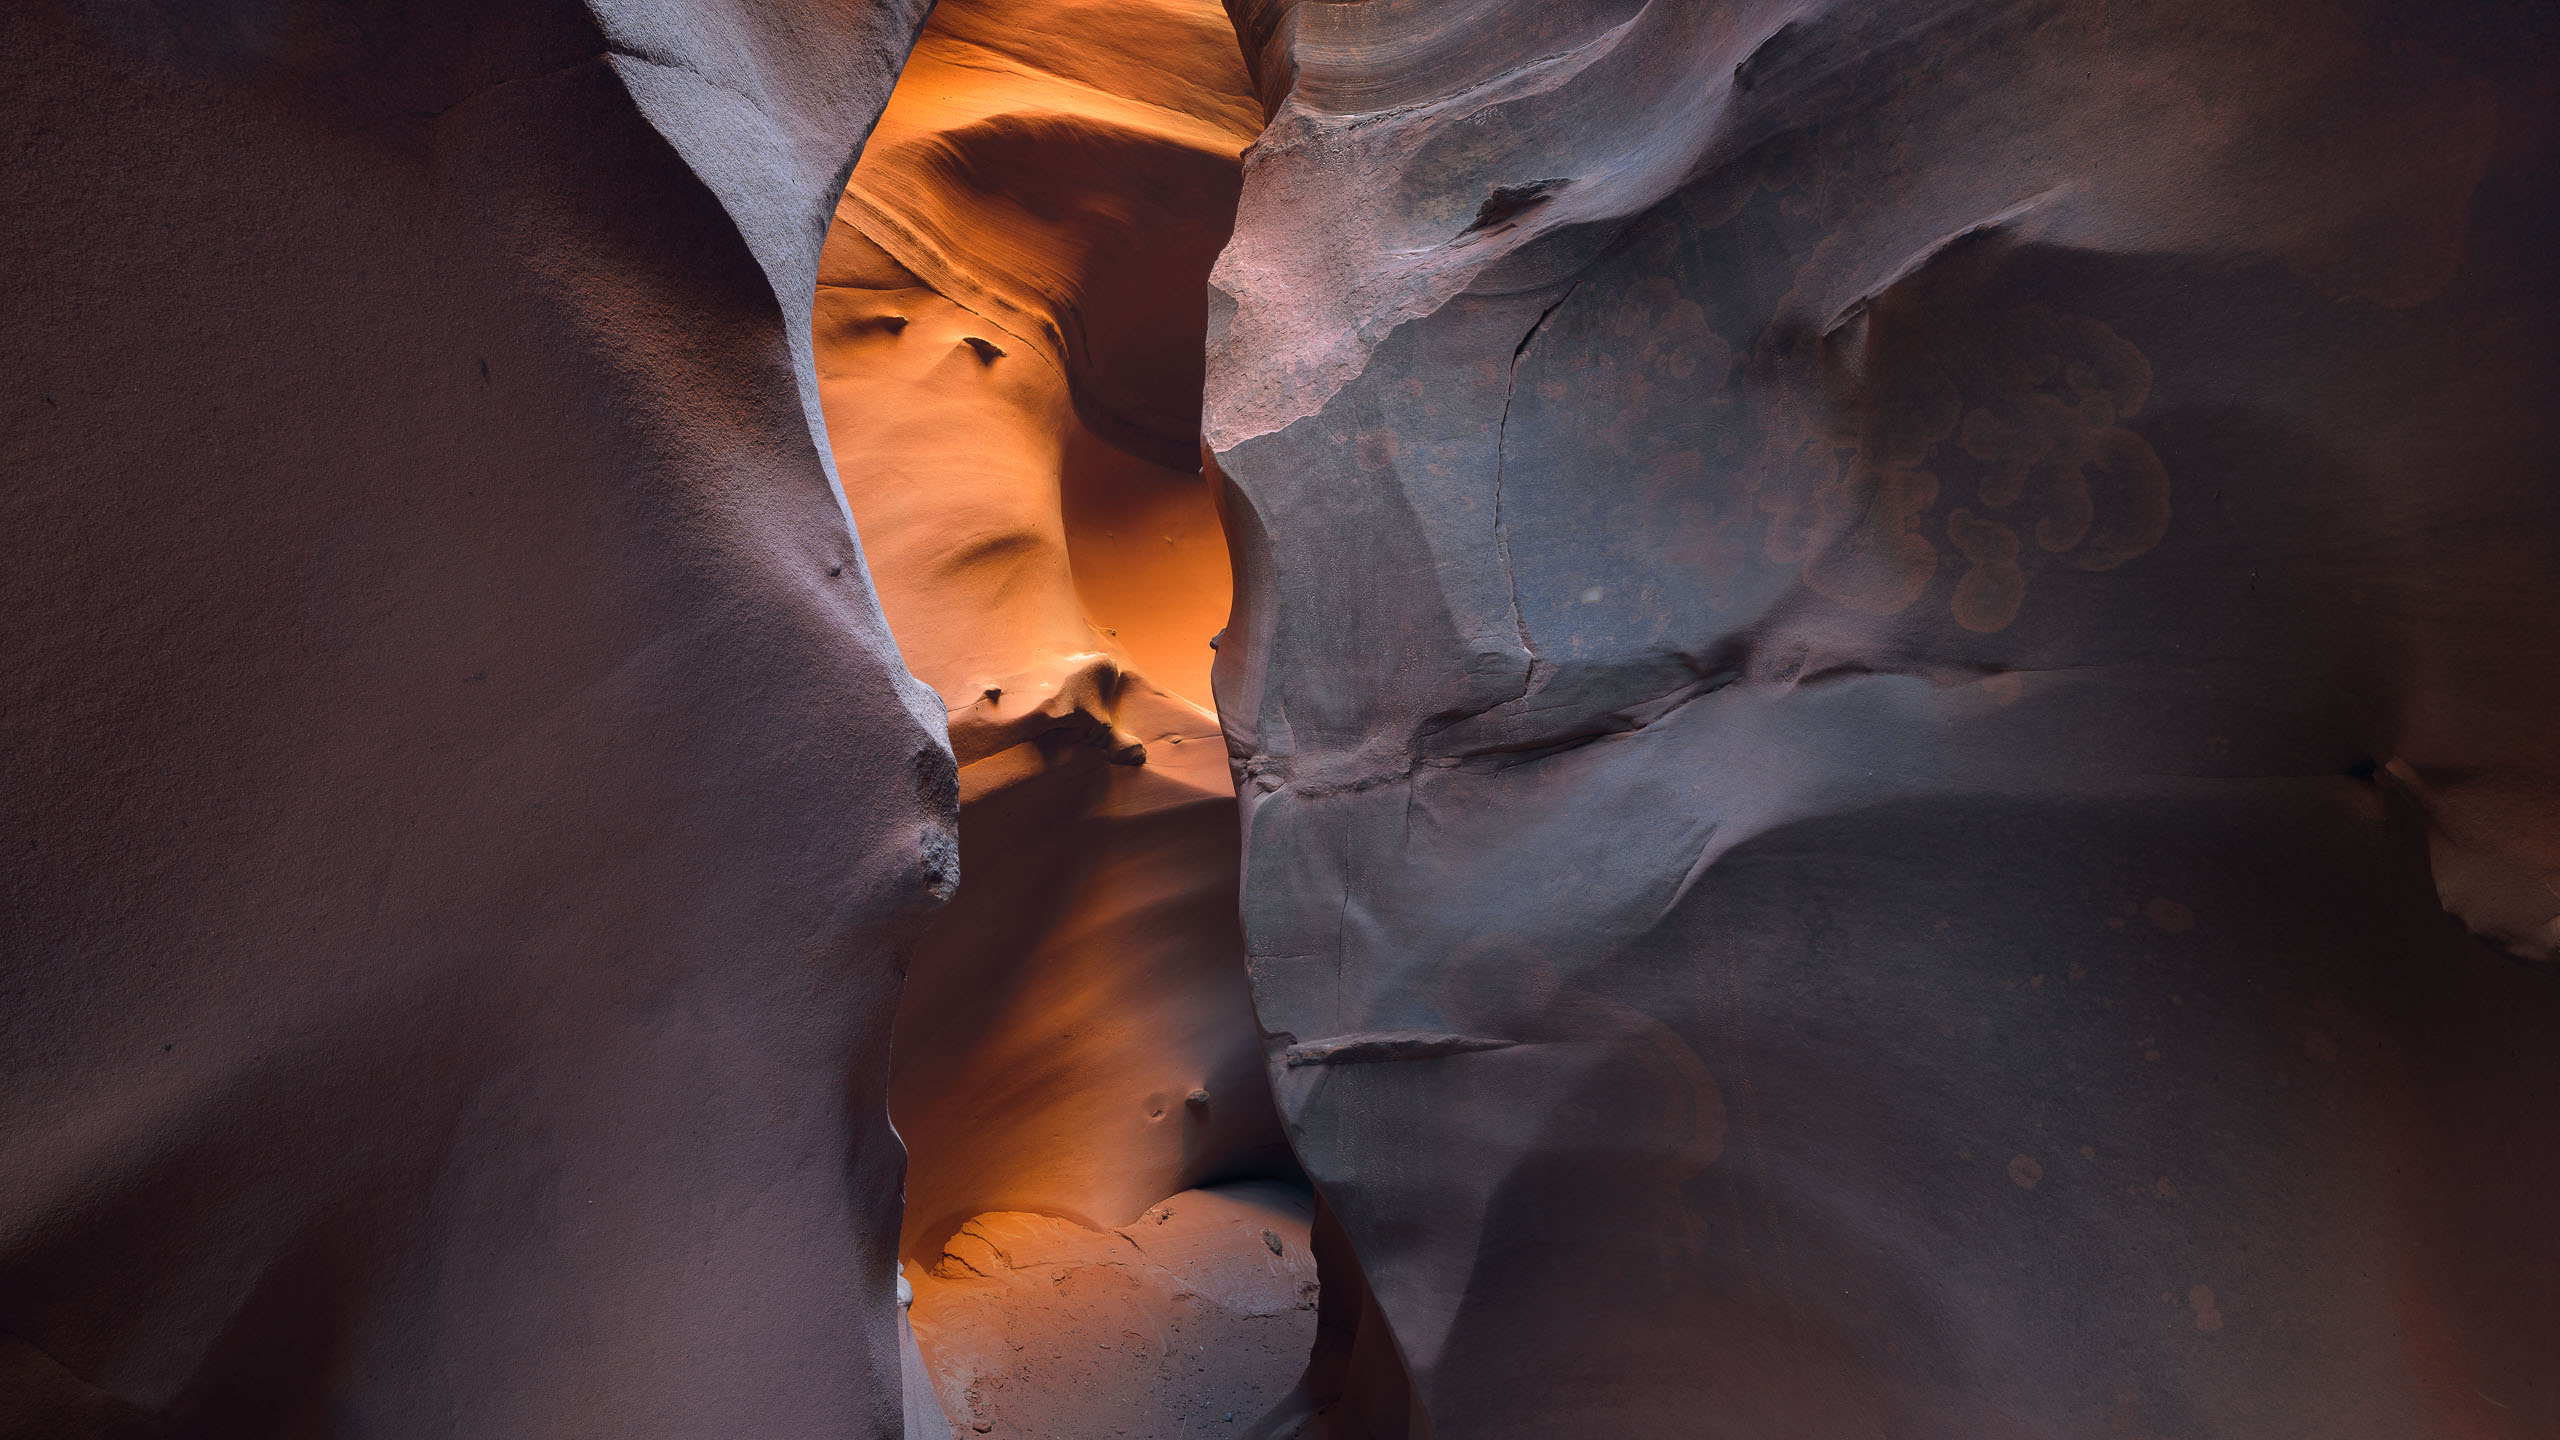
[1509, 202]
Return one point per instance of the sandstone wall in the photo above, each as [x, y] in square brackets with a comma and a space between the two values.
[464, 810]
[1008, 329]
[1893, 682]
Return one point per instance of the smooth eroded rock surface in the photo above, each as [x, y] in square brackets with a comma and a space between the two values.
[1008, 328]
[1893, 680]
[463, 809]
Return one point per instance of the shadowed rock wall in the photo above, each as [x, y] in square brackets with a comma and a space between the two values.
[463, 808]
[1893, 677]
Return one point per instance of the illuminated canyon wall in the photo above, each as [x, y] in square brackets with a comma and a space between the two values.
[1008, 326]
[1008, 331]
[463, 809]
[1893, 682]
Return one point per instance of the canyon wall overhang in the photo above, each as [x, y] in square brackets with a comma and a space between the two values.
[463, 807]
[1893, 678]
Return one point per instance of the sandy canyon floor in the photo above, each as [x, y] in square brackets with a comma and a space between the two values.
[1193, 1320]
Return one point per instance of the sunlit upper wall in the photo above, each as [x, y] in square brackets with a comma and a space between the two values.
[1010, 329]
[1067, 169]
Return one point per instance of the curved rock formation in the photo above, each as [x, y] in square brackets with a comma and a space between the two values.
[1891, 663]
[463, 808]
[1872, 641]
[1007, 330]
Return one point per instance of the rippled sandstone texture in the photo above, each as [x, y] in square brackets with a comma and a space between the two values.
[463, 808]
[1893, 678]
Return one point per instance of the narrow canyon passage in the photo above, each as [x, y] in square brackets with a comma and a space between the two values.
[1885, 757]
[1105, 1230]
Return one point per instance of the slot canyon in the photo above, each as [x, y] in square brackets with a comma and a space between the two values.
[1302, 719]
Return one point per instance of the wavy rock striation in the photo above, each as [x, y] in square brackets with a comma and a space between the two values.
[1008, 328]
[1911, 647]
[464, 810]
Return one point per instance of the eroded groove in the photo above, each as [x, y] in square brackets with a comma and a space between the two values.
[1501, 533]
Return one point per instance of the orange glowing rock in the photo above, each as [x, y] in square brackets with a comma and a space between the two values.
[1008, 331]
